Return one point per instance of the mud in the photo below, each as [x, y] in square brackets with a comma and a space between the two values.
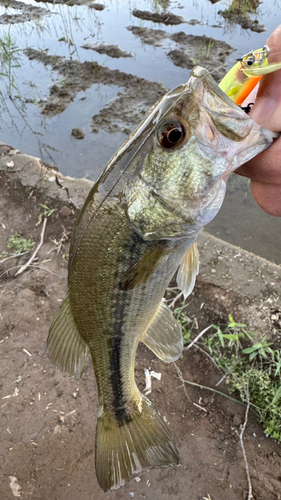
[167, 18]
[137, 97]
[241, 12]
[70, 3]
[78, 133]
[96, 6]
[48, 419]
[26, 12]
[138, 94]
[190, 50]
[125, 112]
[108, 49]
[243, 20]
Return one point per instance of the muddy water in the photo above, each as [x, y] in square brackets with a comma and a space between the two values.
[61, 73]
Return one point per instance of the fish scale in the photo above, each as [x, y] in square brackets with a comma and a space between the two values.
[138, 226]
[126, 307]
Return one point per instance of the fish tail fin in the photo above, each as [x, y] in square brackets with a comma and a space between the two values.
[141, 441]
[66, 347]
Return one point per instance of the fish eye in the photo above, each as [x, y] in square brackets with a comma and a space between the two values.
[172, 134]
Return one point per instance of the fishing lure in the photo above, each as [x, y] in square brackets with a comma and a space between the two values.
[242, 78]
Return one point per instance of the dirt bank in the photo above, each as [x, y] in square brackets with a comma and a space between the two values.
[48, 418]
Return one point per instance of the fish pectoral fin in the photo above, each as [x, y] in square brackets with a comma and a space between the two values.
[142, 441]
[188, 270]
[163, 335]
[153, 258]
[66, 347]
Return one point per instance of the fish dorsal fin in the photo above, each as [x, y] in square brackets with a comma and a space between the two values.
[163, 335]
[66, 347]
[188, 270]
[153, 258]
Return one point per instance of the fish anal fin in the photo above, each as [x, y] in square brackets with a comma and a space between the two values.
[153, 257]
[188, 270]
[141, 442]
[66, 347]
[163, 335]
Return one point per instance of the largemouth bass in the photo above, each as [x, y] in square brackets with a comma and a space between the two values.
[139, 225]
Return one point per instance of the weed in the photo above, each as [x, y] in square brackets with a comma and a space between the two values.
[47, 211]
[242, 7]
[254, 371]
[261, 348]
[186, 323]
[204, 51]
[9, 59]
[96, 65]
[17, 244]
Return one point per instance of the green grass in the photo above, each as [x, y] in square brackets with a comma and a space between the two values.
[9, 59]
[17, 244]
[242, 7]
[250, 363]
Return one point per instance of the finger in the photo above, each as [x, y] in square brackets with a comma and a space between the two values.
[273, 43]
[268, 197]
[267, 108]
[266, 167]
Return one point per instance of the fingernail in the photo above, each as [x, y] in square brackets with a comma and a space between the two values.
[263, 109]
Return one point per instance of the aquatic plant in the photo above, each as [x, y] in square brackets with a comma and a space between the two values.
[9, 59]
[242, 7]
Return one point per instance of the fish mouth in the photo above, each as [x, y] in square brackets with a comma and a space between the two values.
[199, 74]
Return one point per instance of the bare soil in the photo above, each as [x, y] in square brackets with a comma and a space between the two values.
[47, 432]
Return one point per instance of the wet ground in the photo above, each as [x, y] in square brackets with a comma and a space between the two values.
[47, 432]
[98, 67]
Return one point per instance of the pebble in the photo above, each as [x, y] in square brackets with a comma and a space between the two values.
[238, 419]
[65, 211]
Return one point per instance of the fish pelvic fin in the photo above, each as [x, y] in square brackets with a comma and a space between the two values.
[188, 270]
[66, 347]
[163, 335]
[142, 441]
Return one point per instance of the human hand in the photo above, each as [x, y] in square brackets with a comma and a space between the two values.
[265, 169]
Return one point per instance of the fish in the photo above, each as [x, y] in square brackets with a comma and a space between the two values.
[138, 227]
[243, 77]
